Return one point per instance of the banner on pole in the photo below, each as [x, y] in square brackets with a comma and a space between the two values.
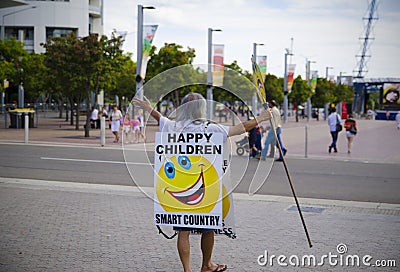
[262, 64]
[290, 76]
[148, 36]
[258, 82]
[218, 65]
[313, 80]
[331, 78]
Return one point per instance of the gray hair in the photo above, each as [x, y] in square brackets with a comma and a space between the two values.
[193, 107]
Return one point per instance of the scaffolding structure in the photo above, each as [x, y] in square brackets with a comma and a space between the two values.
[362, 67]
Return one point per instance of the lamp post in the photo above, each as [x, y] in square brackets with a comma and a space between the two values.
[285, 90]
[139, 80]
[308, 74]
[254, 98]
[339, 105]
[13, 12]
[327, 71]
[326, 107]
[340, 77]
[210, 109]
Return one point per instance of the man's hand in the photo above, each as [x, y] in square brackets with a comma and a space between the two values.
[143, 104]
[265, 115]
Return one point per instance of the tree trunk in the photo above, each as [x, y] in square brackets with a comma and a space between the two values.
[77, 116]
[61, 107]
[88, 108]
[72, 114]
[177, 99]
[233, 115]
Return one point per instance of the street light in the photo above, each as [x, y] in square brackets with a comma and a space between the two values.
[308, 71]
[13, 12]
[285, 90]
[139, 80]
[340, 77]
[326, 71]
[254, 98]
[210, 109]
[326, 107]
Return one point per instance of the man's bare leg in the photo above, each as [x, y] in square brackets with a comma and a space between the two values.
[207, 245]
[184, 249]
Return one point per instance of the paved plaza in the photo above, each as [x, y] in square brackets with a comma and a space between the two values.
[61, 226]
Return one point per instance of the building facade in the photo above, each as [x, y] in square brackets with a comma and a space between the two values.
[34, 21]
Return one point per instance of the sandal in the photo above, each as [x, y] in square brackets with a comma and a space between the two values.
[221, 267]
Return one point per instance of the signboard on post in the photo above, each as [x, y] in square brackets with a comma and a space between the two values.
[188, 171]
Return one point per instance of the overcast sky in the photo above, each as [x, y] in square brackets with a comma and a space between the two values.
[326, 32]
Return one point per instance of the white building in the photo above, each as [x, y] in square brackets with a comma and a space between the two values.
[34, 21]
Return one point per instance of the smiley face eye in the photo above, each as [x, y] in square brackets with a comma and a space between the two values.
[169, 170]
[184, 162]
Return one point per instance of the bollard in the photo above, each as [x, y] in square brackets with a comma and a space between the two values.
[5, 119]
[103, 131]
[26, 128]
[306, 143]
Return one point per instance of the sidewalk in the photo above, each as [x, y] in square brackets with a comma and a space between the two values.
[61, 226]
[376, 141]
[57, 226]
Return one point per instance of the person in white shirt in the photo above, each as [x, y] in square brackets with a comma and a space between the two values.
[116, 117]
[398, 119]
[333, 119]
[191, 117]
[270, 140]
[94, 118]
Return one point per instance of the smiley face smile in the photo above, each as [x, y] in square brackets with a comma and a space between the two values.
[192, 195]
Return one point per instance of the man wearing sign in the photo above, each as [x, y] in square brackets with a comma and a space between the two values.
[191, 119]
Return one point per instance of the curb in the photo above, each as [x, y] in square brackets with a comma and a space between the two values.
[148, 191]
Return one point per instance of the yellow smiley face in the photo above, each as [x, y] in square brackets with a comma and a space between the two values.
[187, 184]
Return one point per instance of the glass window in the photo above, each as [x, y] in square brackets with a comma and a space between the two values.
[14, 32]
[58, 32]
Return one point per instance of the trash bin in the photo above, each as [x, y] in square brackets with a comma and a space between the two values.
[17, 117]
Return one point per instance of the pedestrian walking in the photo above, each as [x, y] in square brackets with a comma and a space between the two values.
[115, 117]
[140, 133]
[351, 130]
[271, 136]
[94, 118]
[252, 137]
[104, 113]
[334, 122]
[259, 135]
[387, 115]
[126, 127]
[398, 119]
[135, 130]
[191, 117]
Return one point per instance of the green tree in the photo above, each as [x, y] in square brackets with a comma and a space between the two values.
[324, 93]
[300, 92]
[125, 80]
[12, 56]
[274, 88]
[343, 93]
[84, 66]
[169, 56]
[238, 84]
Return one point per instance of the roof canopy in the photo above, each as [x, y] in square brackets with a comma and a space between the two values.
[11, 3]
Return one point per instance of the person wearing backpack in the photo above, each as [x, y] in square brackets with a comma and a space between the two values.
[351, 130]
[335, 127]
